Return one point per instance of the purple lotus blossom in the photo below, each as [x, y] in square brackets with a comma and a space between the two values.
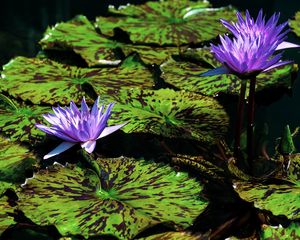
[78, 126]
[270, 31]
[252, 50]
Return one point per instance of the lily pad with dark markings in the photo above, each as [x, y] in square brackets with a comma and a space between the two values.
[283, 199]
[171, 114]
[279, 232]
[18, 123]
[295, 24]
[135, 195]
[169, 22]
[80, 36]
[15, 160]
[185, 75]
[203, 166]
[173, 236]
[6, 220]
[294, 167]
[46, 81]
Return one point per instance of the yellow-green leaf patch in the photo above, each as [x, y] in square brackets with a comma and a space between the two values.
[6, 210]
[14, 161]
[280, 199]
[173, 236]
[167, 22]
[134, 195]
[279, 232]
[80, 35]
[46, 81]
[171, 114]
[18, 123]
[295, 24]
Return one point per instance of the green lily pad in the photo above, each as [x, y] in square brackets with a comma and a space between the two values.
[45, 81]
[14, 161]
[80, 36]
[293, 172]
[271, 233]
[200, 164]
[172, 236]
[294, 168]
[295, 24]
[18, 123]
[171, 114]
[283, 199]
[169, 22]
[186, 76]
[5, 219]
[135, 195]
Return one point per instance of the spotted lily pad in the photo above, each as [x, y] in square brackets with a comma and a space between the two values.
[6, 219]
[173, 236]
[205, 167]
[47, 81]
[135, 195]
[167, 22]
[294, 167]
[288, 233]
[295, 24]
[283, 199]
[14, 161]
[81, 36]
[185, 75]
[171, 114]
[17, 123]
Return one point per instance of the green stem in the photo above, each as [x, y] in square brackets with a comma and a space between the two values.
[250, 126]
[94, 165]
[240, 116]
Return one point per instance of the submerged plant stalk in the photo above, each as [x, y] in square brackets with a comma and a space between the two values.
[250, 124]
[240, 116]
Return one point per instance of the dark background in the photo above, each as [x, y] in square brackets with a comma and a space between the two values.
[22, 24]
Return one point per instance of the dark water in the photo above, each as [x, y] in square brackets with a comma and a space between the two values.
[22, 24]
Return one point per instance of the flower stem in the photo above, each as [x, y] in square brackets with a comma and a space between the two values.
[250, 126]
[239, 124]
[94, 165]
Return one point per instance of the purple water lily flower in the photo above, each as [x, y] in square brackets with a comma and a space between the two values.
[270, 31]
[252, 50]
[78, 126]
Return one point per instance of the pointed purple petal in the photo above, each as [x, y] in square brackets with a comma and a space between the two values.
[84, 108]
[74, 109]
[281, 63]
[59, 149]
[45, 129]
[55, 132]
[111, 129]
[229, 27]
[259, 17]
[285, 45]
[95, 109]
[216, 71]
[89, 146]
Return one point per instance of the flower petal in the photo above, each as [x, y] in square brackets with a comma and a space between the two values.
[111, 129]
[89, 146]
[216, 71]
[84, 108]
[278, 64]
[59, 149]
[285, 45]
[95, 108]
[52, 131]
